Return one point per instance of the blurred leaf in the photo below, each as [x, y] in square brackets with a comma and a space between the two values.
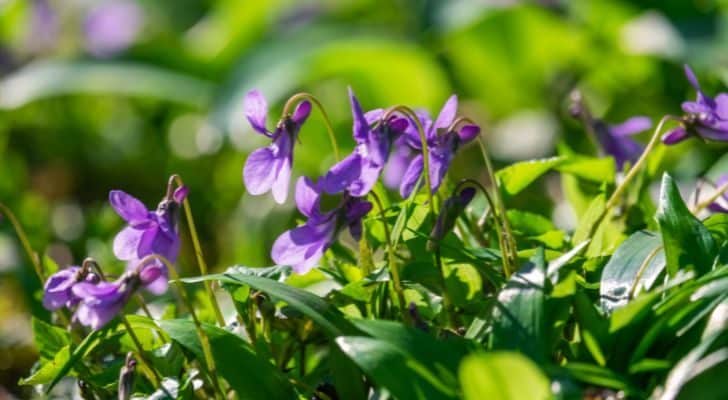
[598, 376]
[629, 263]
[43, 80]
[249, 375]
[697, 362]
[502, 376]
[80, 351]
[687, 242]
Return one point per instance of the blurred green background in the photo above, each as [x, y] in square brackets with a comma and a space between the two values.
[119, 94]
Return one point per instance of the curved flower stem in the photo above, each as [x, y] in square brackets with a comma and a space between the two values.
[198, 251]
[497, 225]
[204, 340]
[392, 261]
[32, 255]
[614, 199]
[719, 192]
[446, 300]
[425, 151]
[308, 96]
[510, 250]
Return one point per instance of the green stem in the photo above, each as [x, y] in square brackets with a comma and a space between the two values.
[498, 227]
[719, 192]
[642, 269]
[614, 199]
[329, 128]
[500, 211]
[198, 253]
[32, 255]
[391, 260]
[204, 340]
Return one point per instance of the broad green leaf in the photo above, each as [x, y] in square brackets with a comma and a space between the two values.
[630, 271]
[347, 377]
[502, 376]
[600, 170]
[49, 369]
[687, 242]
[516, 177]
[249, 375]
[590, 217]
[49, 339]
[54, 78]
[326, 315]
[390, 367]
[529, 223]
[441, 357]
[80, 351]
[518, 319]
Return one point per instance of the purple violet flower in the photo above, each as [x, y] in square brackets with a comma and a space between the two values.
[112, 26]
[443, 145]
[269, 168]
[358, 172]
[58, 288]
[705, 117]
[303, 247]
[616, 140]
[101, 302]
[148, 232]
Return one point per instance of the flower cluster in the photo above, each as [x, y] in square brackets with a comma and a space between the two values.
[706, 117]
[388, 142]
[96, 300]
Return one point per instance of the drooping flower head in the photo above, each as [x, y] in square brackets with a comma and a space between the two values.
[303, 247]
[269, 168]
[706, 117]
[58, 288]
[442, 143]
[358, 172]
[449, 213]
[148, 232]
[614, 140]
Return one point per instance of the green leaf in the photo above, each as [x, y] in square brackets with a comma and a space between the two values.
[390, 367]
[49, 339]
[326, 315]
[518, 319]
[628, 264]
[346, 375]
[50, 369]
[54, 78]
[600, 170]
[516, 177]
[696, 363]
[84, 348]
[502, 376]
[598, 376]
[249, 375]
[441, 357]
[593, 327]
[687, 242]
